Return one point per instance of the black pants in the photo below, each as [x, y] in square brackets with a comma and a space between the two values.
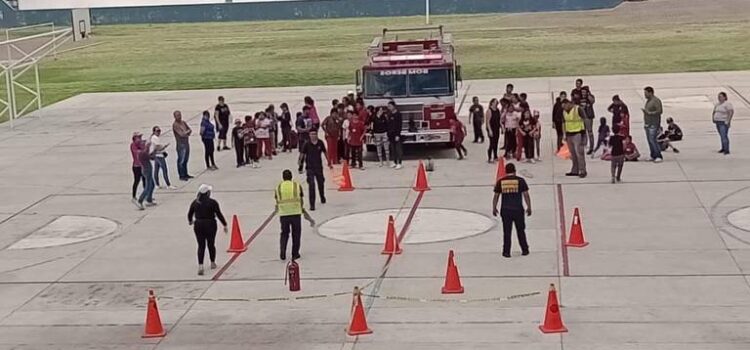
[356, 156]
[205, 234]
[342, 150]
[239, 151]
[560, 134]
[397, 150]
[461, 150]
[510, 143]
[528, 146]
[510, 218]
[478, 134]
[313, 176]
[285, 138]
[137, 177]
[251, 152]
[291, 224]
[208, 152]
[494, 140]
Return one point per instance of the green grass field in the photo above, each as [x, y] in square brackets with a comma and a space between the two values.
[318, 52]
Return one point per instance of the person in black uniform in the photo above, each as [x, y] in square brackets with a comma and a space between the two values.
[512, 188]
[205, 210]
[492, 124]
[476, 118]
[311, 154]
[221, 117]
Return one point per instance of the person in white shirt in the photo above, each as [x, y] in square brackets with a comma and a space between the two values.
[722, 117]
[158, 150]
[263, 133]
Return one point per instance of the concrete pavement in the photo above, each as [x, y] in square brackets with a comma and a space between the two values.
[668, 266]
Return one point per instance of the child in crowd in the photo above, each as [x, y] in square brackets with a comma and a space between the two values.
[673, 133]
[251, 142]
[617, 153]
[631, 151]
[356, 139]
[263, 134]
[603, 135]
[458, 131]
[525, 140]
[537, 134]
[237, 142]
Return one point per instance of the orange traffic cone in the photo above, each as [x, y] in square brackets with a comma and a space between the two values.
[576, 232]
[552, 318]
[236, 244]
[391, 241]
[500, 169]
[452, 280]
[421, 184]
[358, 323]
[153, 328]
[346, 182]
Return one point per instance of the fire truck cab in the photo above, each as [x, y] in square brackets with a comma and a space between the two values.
[419, 75]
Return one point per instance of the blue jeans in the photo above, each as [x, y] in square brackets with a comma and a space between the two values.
[148, 184]
[161, 163]
[183, 155]
[723, 129]
[652, 132]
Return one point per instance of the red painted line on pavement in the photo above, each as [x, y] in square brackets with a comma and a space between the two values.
[413, 211]
[247, 243]
[563, 238]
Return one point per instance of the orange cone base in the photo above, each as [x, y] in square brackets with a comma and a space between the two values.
[415, 188]
[577, 245]
[453, 291]
[366, 331]
[231, 250]
[160, 335]
[397, 252]
[346, 189]
[550, 330]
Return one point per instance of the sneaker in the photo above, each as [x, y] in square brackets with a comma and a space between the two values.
[675, 150]
[256, 165]
[190, 177]
[525, 253]
[489, 161]
[213, 265]
[582, 175]
[619, 180]
[200, 270]
[380, 164]
[184, 179]
[658, 160]
[226, 148]
[398, 167]
[361, 167]
[312, 208]
[532, 161]
[214, 167]
[151, 204]
[613, 180]
[571, 174]
[296, 257]
[394, 165]
[282, 256]
[323, 200]
[218, 148]
[505, 255]
[137, 204]
[591, 151]
[172, 187]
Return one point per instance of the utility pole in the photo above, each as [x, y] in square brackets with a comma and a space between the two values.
[427, 11]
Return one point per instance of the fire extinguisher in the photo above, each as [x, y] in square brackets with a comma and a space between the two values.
[292, 275]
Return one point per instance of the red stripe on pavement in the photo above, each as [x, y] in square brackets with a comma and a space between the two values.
[247, 243]
[563, 238]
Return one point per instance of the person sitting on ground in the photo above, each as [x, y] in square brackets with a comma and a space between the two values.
[631, 151]
[673, 133]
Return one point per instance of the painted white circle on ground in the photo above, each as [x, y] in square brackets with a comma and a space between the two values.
[67, 230]
[740, 218]
[428, 225]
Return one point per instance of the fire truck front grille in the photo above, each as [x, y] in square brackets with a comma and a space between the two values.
[413, 112]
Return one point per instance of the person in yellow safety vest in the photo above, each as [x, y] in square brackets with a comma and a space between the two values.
[288, 196]
[575, 136]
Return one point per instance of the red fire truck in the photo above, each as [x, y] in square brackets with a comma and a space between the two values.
[419, 75]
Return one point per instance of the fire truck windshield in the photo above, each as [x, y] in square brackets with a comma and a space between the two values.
[407, 82]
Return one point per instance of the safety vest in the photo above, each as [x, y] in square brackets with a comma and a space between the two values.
[288, 198]
[573, 121]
